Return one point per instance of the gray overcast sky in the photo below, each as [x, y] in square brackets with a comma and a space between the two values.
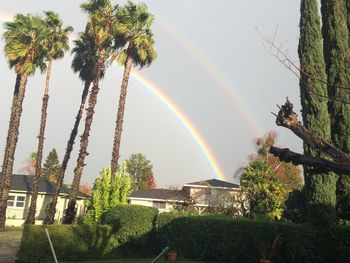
[207, 50]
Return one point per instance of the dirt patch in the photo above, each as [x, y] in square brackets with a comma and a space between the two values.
[10, 240]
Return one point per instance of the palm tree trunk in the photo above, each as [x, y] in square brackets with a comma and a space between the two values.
[11, 142]
[71, 210]
[50, 216]
[120, 116]
[35, 188]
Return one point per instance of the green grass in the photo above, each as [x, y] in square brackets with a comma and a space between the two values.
[137, 260]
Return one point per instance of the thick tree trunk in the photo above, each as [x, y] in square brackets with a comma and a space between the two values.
[11, 142]
[84, 142]
[50, 216]
[120, 116]
[35, 186]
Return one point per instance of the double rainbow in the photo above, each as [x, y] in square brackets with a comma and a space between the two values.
[175, 110]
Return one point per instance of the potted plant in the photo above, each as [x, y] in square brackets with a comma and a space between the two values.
[268, 252]
[171, 255]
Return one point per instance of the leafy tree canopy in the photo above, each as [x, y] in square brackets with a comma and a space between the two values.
[108, 192]
[263, 189]
[140, 171]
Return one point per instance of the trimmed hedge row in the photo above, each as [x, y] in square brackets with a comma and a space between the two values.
[71, 242]
[130, 231]
[138, 231]
[222, 239]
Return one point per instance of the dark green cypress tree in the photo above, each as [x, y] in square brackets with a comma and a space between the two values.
[52, 166]
[320, 189]
[336, 51]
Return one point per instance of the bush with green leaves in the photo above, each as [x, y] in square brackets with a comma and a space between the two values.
[263, 189]
[134, 227]
[223, 239]
[107, 192]
[71, 242]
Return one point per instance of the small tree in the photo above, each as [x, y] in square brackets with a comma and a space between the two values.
[263, 189]
[52, 166]
[140, 171]
[108, 192]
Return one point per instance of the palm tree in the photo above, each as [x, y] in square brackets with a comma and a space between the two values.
[139, 51]
[57, 46]
[84, 61]
[25, 39]
[99, 28]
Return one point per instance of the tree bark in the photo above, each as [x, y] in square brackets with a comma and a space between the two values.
[288, 118]
[50, 216]
[36, 180]
[320, 165]
[120, 116]
[84, 142]
[11, 143]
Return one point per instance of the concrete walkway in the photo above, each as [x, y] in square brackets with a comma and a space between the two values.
[10, 240]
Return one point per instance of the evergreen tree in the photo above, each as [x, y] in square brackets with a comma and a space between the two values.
[337, 54]
[140, 170]
[52, 166]
[319, 188]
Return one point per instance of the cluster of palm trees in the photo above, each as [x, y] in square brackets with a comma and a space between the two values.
[112, 33]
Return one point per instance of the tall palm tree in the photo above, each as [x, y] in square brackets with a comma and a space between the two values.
[25, 39]
[57, 45]
[99, 28]
[84, 61]
[139, 51]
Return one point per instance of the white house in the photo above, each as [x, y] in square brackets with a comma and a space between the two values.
[200, 195]
[20, 196]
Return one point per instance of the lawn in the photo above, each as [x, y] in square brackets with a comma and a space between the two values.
[137, 260]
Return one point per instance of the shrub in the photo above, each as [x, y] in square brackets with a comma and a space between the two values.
[219, 238]
[71, 242]
[133, 226]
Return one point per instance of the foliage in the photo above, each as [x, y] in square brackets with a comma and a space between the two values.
[289, 174]
[133, 225]
[335, 34]
[223, 239]
[319, 188]
[52, 166]
[108, 192]
[295, 206]
[73, 242]
[263, 189]
[140, 171]
[25, 41]
[209, 238]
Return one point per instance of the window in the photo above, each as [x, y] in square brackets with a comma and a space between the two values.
[159, 204]
[16, 201]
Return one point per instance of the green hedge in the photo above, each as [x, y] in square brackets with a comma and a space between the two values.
[134, 228]
[217, 238]
[130, 231]
[71, 242]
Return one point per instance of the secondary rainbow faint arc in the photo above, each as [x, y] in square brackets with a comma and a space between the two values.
[214, 73]
[215, 166]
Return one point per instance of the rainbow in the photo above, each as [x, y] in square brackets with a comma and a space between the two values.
[222, 82]
[153, 89]
[184, 120]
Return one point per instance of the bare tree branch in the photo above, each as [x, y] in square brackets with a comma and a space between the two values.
[287, 118]
[283, 57]
[322, 165]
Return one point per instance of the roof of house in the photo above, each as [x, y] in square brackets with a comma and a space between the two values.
[163, 194]
[213, 183]
[21, 182]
